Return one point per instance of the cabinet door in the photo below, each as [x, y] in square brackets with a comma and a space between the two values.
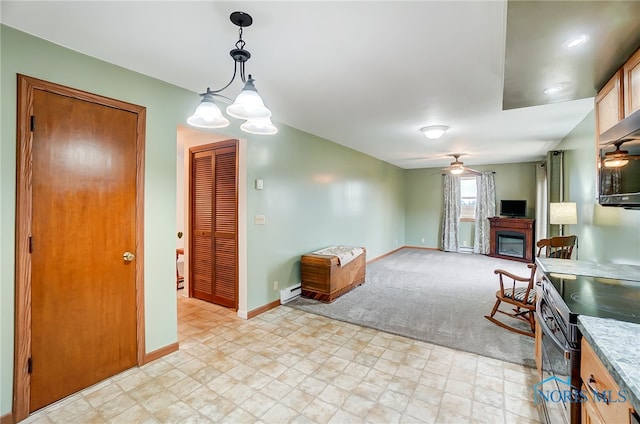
[610, 405]
[631, 70]
[589, 414]
[608, 104]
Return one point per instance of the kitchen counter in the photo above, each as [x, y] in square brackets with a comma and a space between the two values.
[616, 344]
[591, 269]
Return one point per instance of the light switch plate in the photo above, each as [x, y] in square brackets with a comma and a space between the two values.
[259, 184]
[259, 220]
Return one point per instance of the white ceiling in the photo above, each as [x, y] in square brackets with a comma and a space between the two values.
[364, 74]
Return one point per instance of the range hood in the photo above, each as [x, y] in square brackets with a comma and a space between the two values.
[628, 128]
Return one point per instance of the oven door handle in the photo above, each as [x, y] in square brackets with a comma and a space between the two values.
[556, 340]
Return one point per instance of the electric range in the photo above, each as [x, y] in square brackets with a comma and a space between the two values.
[561, 299]
[598, 297]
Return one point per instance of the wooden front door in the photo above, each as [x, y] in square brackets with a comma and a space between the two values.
[214, 224]
[84, 215]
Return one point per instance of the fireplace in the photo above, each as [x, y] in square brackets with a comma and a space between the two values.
[512, 238]
[511, 244]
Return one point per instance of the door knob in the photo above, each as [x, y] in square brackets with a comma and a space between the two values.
[128, 256]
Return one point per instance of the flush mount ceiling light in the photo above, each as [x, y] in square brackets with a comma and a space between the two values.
[434, 132]
[575, 41]
[248, 105]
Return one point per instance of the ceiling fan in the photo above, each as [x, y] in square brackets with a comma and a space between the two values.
[618, 158]
[457, 167]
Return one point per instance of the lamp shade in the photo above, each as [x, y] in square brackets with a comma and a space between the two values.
[208, 114]
[563, 213]
[249, 104]
[262, 126]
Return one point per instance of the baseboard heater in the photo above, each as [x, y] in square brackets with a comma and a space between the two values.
[290, 293]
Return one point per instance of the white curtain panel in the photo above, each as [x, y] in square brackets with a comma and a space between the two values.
[485, 208]
[541, 201]
[451, 215]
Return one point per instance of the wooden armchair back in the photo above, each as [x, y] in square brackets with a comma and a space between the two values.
[560, 247]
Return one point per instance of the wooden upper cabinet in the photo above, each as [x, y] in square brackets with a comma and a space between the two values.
[631, 71]
[609, 104]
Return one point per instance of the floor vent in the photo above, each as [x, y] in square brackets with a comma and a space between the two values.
[290, 293]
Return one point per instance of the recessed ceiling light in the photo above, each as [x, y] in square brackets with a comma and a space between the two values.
[554, 89]
[576, 41]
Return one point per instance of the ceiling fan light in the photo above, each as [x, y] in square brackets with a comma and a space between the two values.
[434, 132]
[261, 126]
[208, 114]
[615, 162]
[616, 159]
[248, 104]
[457, 170]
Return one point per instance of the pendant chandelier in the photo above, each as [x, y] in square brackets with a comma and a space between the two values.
[248, 105]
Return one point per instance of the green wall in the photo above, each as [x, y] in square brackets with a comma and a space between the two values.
[605, 234]
[316, 193]
[423, 210]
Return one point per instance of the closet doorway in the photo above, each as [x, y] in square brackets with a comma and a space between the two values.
[213, 197]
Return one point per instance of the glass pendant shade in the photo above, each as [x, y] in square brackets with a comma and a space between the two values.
[262, 126]
[208, 115]
[248, 104]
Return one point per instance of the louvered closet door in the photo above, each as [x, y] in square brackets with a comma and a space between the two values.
[214, 222]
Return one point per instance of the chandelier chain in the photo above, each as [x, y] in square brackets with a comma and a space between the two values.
[240, 43]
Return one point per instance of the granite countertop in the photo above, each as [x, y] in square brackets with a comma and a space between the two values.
[591, 269]
[616, 344]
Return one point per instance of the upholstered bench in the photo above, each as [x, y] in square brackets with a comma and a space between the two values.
[328, 273]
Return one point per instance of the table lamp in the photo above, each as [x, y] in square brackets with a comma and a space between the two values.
[562, 213]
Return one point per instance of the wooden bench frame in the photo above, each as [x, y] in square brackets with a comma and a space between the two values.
[324, 279]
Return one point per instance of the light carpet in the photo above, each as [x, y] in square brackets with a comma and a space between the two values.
[437, 297]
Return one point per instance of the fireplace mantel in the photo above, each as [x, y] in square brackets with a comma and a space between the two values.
[515, 228]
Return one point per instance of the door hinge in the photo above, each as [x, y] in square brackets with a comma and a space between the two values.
[33, 123]
[29, 365]
[30, 244]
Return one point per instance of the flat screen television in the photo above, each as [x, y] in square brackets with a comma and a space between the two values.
[513, 208]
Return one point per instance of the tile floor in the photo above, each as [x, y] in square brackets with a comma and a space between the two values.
[289, 366]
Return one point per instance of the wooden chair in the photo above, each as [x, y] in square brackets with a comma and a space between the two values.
[521, 296]
[559, 247]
